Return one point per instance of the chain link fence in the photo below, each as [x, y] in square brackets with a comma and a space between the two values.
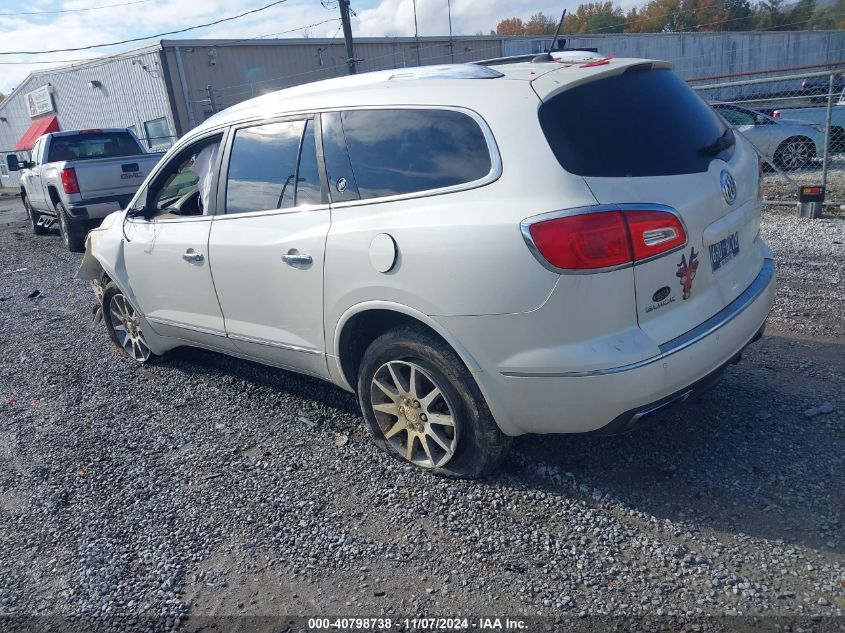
[795, 118]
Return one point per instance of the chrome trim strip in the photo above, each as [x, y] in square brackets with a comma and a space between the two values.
[705, 329]
[184, 326]
[259, 341]
[525, 227]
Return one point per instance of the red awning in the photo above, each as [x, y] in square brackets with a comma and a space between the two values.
[37, 128]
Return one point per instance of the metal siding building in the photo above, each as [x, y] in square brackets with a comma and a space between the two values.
[239, 70]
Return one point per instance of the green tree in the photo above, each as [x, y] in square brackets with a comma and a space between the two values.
[769, 16]
[800, 14]
[738, 16]
[830, 17]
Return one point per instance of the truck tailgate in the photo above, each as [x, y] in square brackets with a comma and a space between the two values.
[113, 176]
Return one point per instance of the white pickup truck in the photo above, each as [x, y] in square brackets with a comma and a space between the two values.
[77, 178]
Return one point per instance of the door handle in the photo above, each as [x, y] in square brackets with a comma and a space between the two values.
[191, 256]
[294, 258]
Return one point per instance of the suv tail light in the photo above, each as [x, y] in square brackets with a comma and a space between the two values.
[654, 232]
[603, 239]
[69, 182]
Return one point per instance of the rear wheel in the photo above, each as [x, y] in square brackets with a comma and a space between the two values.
[72, 231]
[794, 153]
[34, 217]
[424, 407]
[124, 325]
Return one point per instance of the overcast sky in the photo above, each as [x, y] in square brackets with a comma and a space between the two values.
[138, 18]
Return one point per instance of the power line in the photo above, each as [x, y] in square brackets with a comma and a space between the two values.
[116, 55]
[105, 6]
[148, 37]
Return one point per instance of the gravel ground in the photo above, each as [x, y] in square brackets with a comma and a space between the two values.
[208, 486]
[778, 187]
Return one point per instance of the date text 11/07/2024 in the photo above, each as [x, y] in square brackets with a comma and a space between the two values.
[420, 623]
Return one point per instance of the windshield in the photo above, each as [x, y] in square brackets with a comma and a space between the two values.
[93, 145]
[640, 123]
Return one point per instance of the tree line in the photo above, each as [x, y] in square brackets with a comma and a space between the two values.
[674, 16]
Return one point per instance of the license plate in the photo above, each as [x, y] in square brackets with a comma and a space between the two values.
[724, 251]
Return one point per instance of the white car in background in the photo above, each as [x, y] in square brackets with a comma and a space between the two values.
[789, 144]
[477, 251]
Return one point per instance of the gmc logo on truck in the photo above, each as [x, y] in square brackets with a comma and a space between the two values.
[137, 174]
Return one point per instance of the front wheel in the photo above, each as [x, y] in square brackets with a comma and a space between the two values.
[794, 153]
[424, 407]
[124, 325]
[72, 231]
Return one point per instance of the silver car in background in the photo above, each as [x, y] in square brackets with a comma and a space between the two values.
[789, 144]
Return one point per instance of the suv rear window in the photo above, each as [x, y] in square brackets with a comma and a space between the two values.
[93, 145]
[639, 123]
[404, 151]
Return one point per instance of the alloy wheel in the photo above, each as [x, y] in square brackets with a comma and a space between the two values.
[795, 154]
[127, 328]
[414, 414]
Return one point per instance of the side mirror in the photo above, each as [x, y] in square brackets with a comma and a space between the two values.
[12, 162]
[760, 120]
[139, 209]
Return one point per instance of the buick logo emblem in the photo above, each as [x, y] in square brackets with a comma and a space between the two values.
[728, 186]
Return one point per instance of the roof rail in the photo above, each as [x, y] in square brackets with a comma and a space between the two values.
[515, 59]
[446, 71]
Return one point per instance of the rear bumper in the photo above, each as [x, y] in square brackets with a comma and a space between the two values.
[640, 416]
[619, 397]
[97, 208]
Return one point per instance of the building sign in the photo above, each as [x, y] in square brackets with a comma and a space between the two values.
[39, 101]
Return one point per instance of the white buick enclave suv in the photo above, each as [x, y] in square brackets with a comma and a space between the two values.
[478, 251]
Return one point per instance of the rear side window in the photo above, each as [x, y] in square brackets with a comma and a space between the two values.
[93, 145]
[641, 123]
[734, 116]
[402, 151]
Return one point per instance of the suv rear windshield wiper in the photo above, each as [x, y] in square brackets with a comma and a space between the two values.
[726, 141]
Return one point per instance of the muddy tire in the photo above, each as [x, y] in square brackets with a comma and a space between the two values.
[33, 216]
[424, 407]
[72, 231]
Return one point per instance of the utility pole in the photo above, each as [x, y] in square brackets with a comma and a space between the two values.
[211, 101]
[417, 34]
[451, 43]
[347, 35]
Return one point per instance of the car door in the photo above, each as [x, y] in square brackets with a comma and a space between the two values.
[32, 180]
[267, 243]
[166, 250]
